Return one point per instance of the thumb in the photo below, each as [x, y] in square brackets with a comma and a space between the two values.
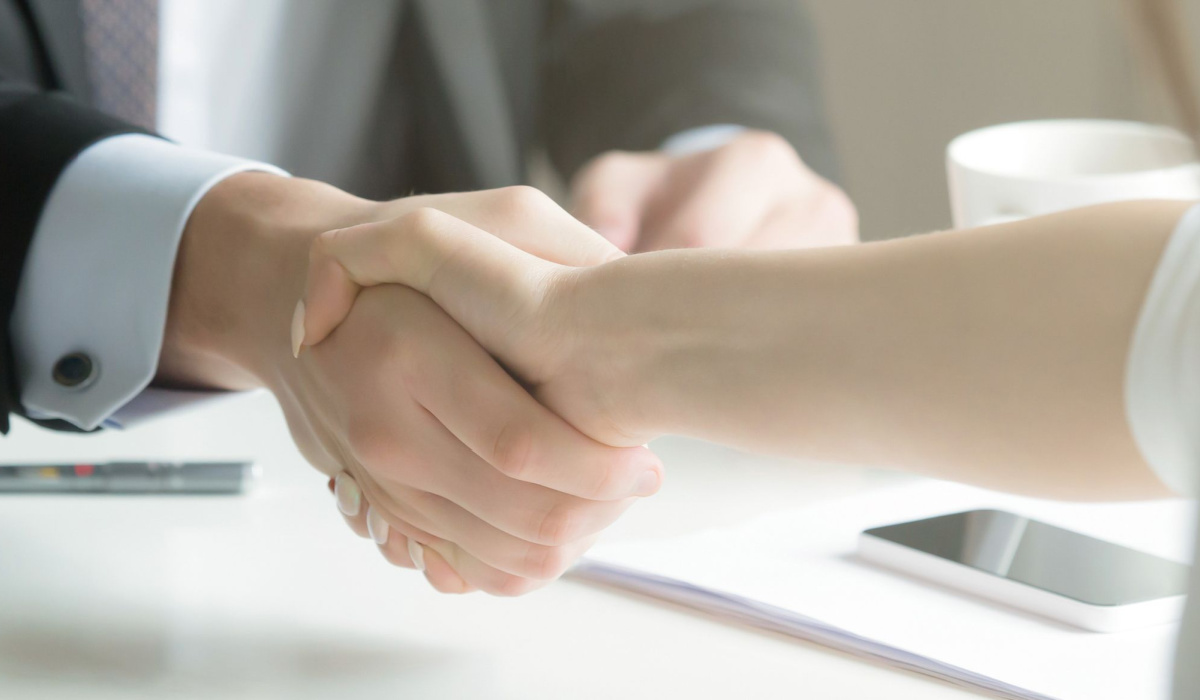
[482, 282]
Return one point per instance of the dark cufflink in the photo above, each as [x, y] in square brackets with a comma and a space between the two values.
[75, 371]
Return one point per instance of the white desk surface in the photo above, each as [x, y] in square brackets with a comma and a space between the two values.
[271, 596]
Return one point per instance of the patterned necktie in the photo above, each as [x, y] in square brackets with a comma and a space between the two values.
[121, 42]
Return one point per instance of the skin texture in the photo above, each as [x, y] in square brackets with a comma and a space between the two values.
[994, 357]
[445, 447]
[753, 192]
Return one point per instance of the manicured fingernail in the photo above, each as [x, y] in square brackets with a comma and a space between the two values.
[298, 329]
[417, 553]
[377, 527]
[347, 494]
[648, 483]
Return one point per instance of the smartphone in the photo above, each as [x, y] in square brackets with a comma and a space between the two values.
[1043, 569]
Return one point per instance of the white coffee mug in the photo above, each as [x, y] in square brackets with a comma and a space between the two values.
[1012, 171]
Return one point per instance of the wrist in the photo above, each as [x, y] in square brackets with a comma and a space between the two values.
[665, 380]
[239, 272]
[642, 335]
[679, 341]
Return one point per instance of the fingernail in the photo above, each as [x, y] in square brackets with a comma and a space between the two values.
[648, 483]
[347, 494]
[298, 329]
[417, 553]
[377, 527]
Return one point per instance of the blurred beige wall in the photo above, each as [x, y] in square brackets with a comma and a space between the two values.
[903, 77]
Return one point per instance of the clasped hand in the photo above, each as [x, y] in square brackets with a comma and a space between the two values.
[455, 468]
[502, 476]
[565, 329]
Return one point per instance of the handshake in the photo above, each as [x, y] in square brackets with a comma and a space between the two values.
[477, 373]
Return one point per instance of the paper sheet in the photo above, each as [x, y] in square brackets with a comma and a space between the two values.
[796, 572]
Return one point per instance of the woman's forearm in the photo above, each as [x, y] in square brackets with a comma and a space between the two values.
[995, 356]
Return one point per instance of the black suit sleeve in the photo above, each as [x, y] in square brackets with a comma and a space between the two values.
[40, 134]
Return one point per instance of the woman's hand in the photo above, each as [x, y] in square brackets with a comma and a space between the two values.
[511, 301]
[530, 313]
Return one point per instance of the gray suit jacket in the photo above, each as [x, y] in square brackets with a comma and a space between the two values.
[493, 79]
[583, 76]
[485, 81]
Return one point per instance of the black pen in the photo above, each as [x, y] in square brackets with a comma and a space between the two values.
[129, 477]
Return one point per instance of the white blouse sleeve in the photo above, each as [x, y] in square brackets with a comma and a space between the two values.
[1162, 377]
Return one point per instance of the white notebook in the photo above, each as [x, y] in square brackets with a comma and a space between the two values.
[796, 572]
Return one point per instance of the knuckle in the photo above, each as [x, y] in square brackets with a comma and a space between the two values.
[547, 563]
[512, 451]
[424, 218]
[510, 586]
[610, 164]
[762, 143]
[561, 524]
[593, 203]
[609, 480]
[765, 149]
[523, 201]
[841, 213]
[321, 246]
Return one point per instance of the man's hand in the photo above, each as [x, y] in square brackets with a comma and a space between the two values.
[753, 192]
[439, 455]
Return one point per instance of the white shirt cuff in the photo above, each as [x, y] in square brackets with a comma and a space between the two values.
[701, 138]
[153, 403]
[97, 279]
